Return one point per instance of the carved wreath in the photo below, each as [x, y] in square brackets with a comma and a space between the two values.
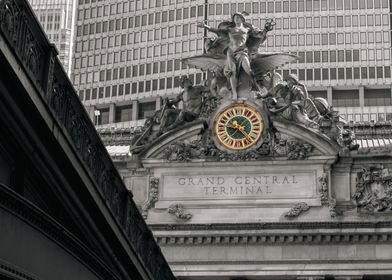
[374, 189]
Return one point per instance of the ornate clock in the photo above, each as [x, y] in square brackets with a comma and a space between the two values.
[238, 127]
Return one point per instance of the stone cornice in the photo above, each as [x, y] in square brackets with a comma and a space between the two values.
[273, 233]
[25, 210]
[278, 238]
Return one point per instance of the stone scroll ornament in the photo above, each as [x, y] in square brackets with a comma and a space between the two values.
[153, 196]
[374, 189]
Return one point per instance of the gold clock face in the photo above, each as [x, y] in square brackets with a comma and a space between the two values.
[239, 127]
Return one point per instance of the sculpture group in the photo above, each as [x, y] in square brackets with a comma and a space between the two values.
[241, 70]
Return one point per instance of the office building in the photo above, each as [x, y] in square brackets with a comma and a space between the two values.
[57, 17]
[128, 54]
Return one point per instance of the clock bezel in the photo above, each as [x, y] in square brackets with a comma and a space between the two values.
[253, 106]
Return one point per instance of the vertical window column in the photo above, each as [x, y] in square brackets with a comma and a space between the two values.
[112, 112]
[158, 103]
[361, 96]
[329, 95]
[135, 110]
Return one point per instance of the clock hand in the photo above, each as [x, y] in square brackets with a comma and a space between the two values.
[246, 134]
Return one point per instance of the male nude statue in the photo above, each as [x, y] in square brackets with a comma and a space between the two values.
[237, 52]
[192, 98]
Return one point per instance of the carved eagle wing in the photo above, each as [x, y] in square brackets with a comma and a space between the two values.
[265, 62]
[206, 62]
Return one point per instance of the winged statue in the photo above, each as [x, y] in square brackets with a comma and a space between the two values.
[236, 48]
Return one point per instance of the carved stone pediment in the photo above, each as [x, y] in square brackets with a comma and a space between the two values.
[287, 140]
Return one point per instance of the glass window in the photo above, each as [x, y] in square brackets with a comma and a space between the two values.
[309, 39]
[316, 23]
[317, 56]
[362, 20]
[348, 38]
[309, 57]
[332, 38]
[301, 5]
[364, 74]
[340, 38]
[263, 7]
[332, 56]
[324, 21]
[301, 22]
[285, 6]
[308, 22]
[332, 4]
[123, 113]
[293, 6]
[355, 37]
[146, 110]
[345, 98]
[370, 21]
[349, 73]
[325, 56]
[341, 73]
[308, 5]
[309, 74]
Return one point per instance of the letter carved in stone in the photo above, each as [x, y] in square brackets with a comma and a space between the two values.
[153, 196]
[374, 189]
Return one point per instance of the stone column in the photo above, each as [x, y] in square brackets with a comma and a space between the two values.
[135, 110]
[329, 95]
[391, 92]
[361, 96]
[112, 112]
[158, 103]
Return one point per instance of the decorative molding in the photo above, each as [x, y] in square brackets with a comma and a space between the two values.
[374, 189]
[178, 211]
[153, 196]
[13, 272]
[297, 209]
[274, 226]
[18, 25]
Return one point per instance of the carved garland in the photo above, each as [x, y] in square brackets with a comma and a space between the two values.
[152, 197]
[324, 197]
[297, 209]
[186, 151]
